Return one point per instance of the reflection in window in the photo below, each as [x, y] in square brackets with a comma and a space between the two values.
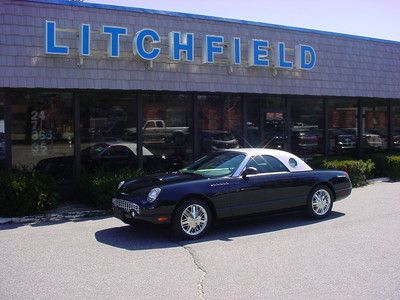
[253, 121]
[42, 132]
[273, 116]
[220, 123]
[2, 135]
[108, 131]
[266, 164]
[307, 127]
[216, 164]
[396, 128]
[342, 126]
[167, 130]
[374, 125]
[107, 118]
[265, 122]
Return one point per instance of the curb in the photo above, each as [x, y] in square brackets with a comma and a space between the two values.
[54, 217]
[378, 180]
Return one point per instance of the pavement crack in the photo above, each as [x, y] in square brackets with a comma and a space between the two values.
[196, 261]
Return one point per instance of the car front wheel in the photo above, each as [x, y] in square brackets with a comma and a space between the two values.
[320, 202]
[192, 219]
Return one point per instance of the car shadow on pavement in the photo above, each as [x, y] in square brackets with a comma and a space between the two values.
[149, 236]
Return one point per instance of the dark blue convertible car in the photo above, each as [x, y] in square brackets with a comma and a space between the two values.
[227, 184]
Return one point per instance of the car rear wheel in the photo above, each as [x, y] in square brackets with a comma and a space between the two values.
[320, 202]
[192, 219]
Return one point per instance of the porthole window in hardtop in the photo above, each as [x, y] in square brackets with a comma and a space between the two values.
[292, 162]
[266, 164]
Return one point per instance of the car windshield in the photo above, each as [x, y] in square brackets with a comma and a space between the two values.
[95, 149]
[216, 164]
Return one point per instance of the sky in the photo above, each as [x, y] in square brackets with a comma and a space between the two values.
[378, 19]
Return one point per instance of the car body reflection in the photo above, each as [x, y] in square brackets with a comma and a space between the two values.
[111, 156]
[215, 140]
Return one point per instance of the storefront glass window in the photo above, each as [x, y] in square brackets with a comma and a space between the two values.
[266, 119]
[108, 131]
[306, 127]
[220, 123]
[273, 116]
[2, 134]
[167, 131]
[253, 121]
[342, 126]
[374, 125]
[42, 132]
[396, 128]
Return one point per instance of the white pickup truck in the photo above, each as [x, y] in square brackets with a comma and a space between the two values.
[155, 131]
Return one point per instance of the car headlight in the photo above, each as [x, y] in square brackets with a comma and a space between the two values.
[152, 196]
[121, 184]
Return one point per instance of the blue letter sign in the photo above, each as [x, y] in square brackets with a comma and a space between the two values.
[179, 43]
[280, 57]
[84, 48]
[147, 45]
[258, 52]
[305, 57]
[212, 45]
[113, 43]
[139, 47]
[236, 53]
[50, 40]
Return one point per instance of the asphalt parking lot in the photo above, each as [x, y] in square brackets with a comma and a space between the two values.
[352, 255]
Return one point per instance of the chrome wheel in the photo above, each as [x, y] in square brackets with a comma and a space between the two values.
[321, 202]
[194, 219]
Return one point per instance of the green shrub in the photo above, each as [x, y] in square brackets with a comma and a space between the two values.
[23, 193]
[393, 166]
[358, 170]
[318, 162]
[381, 164]
[98, 187]
[386, 164]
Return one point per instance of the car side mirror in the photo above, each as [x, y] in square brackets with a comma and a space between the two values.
[249, 171]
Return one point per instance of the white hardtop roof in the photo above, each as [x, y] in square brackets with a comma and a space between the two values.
[283, 156]
[131, 146]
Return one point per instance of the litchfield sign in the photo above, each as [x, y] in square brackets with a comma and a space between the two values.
[146, 45]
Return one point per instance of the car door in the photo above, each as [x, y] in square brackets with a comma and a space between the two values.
[269, 189]
[117, 156]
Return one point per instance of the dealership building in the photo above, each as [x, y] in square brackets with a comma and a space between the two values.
[173, 85]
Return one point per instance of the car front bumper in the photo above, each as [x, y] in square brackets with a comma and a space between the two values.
[129, 211]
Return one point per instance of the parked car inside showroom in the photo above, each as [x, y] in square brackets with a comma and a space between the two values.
[344, 139]
[107, 155]
[227, 184]
[215, 140]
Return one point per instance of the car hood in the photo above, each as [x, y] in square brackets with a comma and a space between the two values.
[143, 185]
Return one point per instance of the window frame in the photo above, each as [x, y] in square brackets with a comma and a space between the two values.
[269, 156]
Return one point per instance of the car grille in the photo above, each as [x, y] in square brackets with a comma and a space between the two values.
[126, 205]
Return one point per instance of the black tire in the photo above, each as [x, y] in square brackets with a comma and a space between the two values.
[313, 209]
[176, 220]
